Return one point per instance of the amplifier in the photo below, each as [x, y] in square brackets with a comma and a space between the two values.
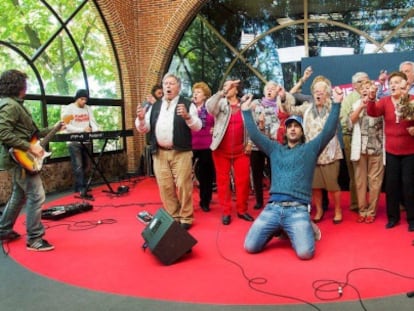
[63, 211]
[166, 239]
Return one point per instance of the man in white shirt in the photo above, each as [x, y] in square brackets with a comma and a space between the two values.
[82, 120]
[170, 121]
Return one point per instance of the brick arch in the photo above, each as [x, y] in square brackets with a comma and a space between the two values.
[172, 33]
[145, 35]
[120, 20]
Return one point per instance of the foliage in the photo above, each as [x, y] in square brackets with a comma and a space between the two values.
[63, 46]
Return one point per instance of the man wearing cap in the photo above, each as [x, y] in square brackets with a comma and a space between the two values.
[82, 120]
[292, 165]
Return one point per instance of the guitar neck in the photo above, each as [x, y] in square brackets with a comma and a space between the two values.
[50, 135]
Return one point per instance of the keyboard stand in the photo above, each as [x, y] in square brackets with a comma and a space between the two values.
[97, 169]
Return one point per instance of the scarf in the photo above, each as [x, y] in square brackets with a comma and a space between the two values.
[202, 114]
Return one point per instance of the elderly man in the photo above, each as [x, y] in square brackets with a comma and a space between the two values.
[346, 107]
[170, 121]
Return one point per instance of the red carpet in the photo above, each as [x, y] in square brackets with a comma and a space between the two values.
[108, 257]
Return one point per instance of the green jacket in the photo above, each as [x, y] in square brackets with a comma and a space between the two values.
[16, 129]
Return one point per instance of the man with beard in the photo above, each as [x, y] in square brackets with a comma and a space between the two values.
[293, 164]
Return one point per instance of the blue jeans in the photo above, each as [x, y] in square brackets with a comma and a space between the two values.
[26, 190]
[80, 164]
[294, 220]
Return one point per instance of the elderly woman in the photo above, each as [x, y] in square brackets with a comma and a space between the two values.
[366, 155]
[270, 119]
[399, 149]
[327, 169]
[201, 140]
[229, 149]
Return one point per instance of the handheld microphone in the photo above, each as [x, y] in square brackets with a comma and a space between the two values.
[146, 106]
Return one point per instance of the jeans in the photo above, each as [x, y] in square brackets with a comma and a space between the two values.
[26, 189]
[80, 164]
[294, 220]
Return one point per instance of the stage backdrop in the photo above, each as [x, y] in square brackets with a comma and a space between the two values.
[340, 69]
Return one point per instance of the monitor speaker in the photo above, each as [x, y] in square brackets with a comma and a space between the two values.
[166, 239]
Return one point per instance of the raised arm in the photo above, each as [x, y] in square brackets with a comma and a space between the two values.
[259, 139]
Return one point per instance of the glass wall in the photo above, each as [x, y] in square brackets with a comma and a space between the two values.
[263, 40]
[63, 46]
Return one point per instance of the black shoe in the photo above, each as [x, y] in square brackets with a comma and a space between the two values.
[245, 216]
[39, 246]
[411, 227]
[226, 220]
[9, 236]
[185, 226]
[258, 206]
[391, 224]
[205, 207]
[86, 196]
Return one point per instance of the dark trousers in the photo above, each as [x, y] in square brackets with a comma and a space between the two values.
[399, 184]
[205, 173]
[81, 163]
[258, 162]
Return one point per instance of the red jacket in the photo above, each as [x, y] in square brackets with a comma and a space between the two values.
[397, 139]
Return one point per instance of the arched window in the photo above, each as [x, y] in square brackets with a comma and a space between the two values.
[257, 41]
[63, 46]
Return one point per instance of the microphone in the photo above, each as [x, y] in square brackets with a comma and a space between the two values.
[146, 105]
[410, 294]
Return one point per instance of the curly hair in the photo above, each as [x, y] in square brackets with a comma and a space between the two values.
[204, 87]
[12, 82]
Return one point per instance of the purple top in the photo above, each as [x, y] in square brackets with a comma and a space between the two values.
[202, 138]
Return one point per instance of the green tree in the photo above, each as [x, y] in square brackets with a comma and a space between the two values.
[62, 45]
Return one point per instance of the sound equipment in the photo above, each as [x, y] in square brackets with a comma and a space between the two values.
[83, 137]
[63, 211]
[166, 239]
[87, 137]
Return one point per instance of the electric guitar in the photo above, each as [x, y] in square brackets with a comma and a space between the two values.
[28, 160]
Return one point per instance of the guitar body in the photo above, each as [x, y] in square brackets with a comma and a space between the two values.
[27, 160]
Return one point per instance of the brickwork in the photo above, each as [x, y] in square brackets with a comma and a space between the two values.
[146, 34]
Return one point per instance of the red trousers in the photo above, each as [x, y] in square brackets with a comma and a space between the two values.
[239, 166]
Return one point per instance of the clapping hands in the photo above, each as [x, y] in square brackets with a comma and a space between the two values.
[246, 102]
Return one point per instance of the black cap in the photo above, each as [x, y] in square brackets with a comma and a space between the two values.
[81, 93]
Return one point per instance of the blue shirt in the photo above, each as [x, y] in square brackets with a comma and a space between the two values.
[292, 168]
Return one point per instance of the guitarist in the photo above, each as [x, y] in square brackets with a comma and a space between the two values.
[16, 130]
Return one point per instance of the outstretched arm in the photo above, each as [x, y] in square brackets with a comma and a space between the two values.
[258, 138]
[331, 124]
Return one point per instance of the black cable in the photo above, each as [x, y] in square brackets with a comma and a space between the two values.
[4, 249]
[336, 288]
[141, 204]
[321, 287]
[81, 225]
[258, 280]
